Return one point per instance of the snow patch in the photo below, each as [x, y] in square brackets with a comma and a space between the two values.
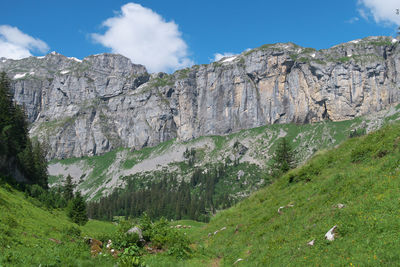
[64, 72]
[76, 59]
[19, 75]
[394, 41]
[4, 60]
[31, 73]
[313, 55]
[41, 57]
[349, 55]
[355, 41]
[229, 59]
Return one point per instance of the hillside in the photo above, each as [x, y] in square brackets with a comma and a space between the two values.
[100, 175]
[31, 235]
[100, 103]
[362, 174]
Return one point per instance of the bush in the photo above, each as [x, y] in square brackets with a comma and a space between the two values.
[72, 232]
[357, 132]
[131, 257]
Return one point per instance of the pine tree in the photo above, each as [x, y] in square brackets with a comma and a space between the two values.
[283, 159]
[76, 209]
[68, 188]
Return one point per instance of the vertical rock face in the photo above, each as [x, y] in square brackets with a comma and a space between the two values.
[103, 102]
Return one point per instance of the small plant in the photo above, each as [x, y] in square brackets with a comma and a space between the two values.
[131, 257]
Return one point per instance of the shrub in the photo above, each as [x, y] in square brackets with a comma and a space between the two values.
[131, 257]
[357, 132]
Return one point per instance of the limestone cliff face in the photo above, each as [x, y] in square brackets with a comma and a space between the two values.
[103, 102]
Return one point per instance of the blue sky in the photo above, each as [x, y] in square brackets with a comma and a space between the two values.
[168, 35]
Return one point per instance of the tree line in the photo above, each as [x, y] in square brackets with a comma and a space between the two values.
[166, 197]
[18, 153]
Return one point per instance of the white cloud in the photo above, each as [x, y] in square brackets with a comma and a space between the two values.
[219, 56]
[383, 11]
[146, 38]
[16, 44]
[352, 20]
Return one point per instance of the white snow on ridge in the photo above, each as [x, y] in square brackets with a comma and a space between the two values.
[229, 59]
[4, 60]
[313, 55]
[76, 59]
[19, 75]
[64, 72]
[394, 41]
[355, 41]
[41, 57]
[31, 73]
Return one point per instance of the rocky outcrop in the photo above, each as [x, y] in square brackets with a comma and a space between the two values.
[91, 106]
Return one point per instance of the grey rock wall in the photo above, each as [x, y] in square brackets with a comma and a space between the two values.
[103, 102]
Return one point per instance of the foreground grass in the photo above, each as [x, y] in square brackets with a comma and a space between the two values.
[31, 235]
[363, 174]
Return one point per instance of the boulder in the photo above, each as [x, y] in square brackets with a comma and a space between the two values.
[136, 230]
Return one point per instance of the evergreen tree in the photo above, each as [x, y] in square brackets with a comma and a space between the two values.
[283, 159]
[76, 209]
[15, 146]
[68, 190]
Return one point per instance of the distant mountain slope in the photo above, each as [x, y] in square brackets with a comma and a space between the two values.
[104, 102]
[99, 175]
[355, 187]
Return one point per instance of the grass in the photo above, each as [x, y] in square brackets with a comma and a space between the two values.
[26, 229]
[363, 174]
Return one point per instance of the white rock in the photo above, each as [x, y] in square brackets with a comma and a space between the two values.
[330, 235]
[237, 260]
[19, 75]
[340, 206]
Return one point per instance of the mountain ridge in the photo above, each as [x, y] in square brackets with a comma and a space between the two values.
[106, 102]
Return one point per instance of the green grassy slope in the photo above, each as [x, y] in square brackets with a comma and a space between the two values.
[362, 173]
[26, 230]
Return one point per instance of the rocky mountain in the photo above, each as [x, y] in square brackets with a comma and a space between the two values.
[103, 102]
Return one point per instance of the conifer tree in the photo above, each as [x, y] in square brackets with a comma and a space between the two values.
[68, 188]
[283, 159]
[76, 209]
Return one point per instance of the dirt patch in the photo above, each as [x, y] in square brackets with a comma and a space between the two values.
[216, 262]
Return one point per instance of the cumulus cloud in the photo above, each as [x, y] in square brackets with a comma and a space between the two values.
[219, 56]
[15, 44]
[382, 11]
[146, 38]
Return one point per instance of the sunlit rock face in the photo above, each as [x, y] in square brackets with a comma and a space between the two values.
[105, 101]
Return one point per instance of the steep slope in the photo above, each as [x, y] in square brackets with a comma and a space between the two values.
[363, 174]
[99, 175]
[103, 102]
[31, 235]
